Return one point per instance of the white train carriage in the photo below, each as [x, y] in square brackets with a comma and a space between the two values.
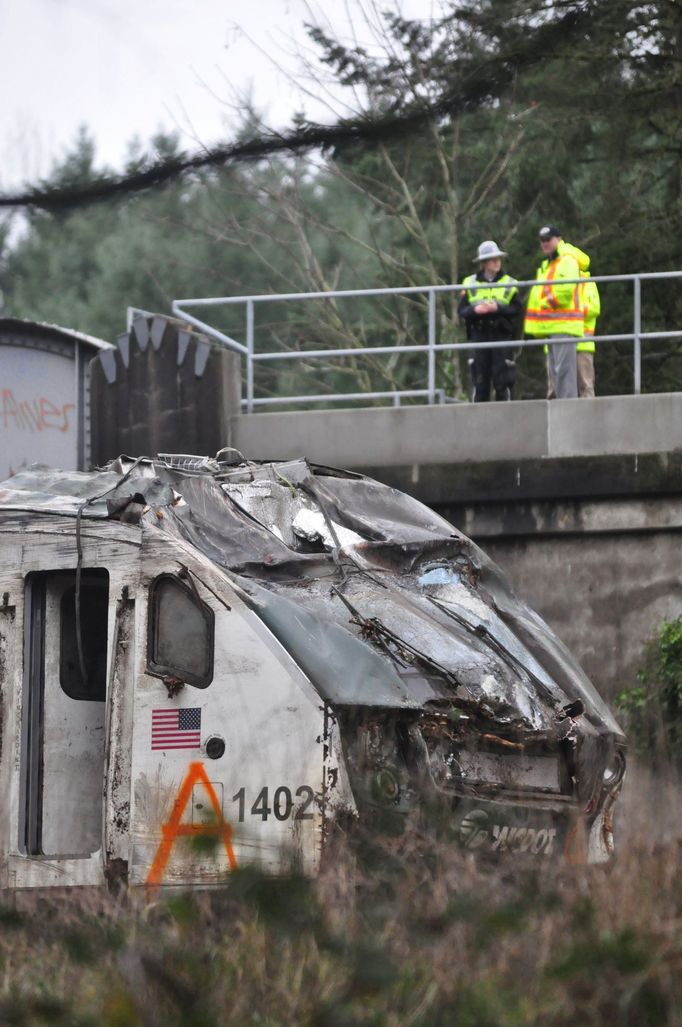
[204, 664]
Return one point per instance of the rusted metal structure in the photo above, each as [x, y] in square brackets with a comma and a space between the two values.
[251, 652]
[164, 385]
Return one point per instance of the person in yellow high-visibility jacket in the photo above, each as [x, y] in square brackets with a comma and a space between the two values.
[591, 309]
[490, 307]
[585, 348]
[555, 312]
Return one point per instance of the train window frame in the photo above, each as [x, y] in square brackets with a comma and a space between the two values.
[164, 668]
[94, 582]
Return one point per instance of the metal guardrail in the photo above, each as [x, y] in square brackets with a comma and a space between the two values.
[431, 348]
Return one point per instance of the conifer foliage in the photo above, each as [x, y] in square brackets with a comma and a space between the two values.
[484, 122]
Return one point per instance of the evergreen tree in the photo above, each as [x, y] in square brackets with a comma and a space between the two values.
[514, 114]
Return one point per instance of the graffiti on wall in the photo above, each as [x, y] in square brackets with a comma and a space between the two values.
[38, 409]
[34, 415]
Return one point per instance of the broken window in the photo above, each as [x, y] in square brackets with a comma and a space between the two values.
[181, 630]
[94, 606]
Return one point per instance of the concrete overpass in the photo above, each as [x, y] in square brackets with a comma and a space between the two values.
[579, 501]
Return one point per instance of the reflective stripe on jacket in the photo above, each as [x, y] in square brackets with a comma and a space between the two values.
[555, 308]
[590, 294]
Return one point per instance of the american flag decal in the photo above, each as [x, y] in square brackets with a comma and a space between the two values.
[176, 729]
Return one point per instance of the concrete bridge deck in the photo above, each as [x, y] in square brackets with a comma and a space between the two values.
[420, 436]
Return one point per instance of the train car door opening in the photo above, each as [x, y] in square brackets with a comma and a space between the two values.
[63, 736]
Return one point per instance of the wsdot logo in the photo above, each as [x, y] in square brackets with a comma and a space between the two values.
[474, 829]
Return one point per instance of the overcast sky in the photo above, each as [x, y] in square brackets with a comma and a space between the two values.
[130, 67]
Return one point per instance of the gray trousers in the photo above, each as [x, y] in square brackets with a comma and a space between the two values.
[585, 374]
[561, 366]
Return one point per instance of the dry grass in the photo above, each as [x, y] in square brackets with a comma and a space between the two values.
[412, 938]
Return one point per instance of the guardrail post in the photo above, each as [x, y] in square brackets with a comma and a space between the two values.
[637, 333]
[431, 382]
[249, 356]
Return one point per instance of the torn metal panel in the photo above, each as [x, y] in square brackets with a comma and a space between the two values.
[41, 489]
[117, 785]
[345, 671]
[511, 769]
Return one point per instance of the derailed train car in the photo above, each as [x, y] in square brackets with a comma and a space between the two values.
[210, 663]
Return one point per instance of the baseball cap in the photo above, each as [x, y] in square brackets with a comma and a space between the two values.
[549, 232]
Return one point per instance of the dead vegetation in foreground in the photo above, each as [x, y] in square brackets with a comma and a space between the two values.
[403, 939]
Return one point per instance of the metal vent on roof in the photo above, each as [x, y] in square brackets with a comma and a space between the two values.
[187, 462]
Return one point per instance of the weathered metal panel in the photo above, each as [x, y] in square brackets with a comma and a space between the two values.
[515, 770]
[9, 667]
[147, 398]
[38, 412]
[43, 415]
[270, 779]
[119, 735]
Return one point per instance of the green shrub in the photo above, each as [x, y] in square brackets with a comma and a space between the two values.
[653, 707]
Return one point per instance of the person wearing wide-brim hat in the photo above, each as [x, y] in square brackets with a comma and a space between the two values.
[489, 306]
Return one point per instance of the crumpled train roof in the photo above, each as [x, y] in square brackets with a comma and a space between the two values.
[313, 546]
